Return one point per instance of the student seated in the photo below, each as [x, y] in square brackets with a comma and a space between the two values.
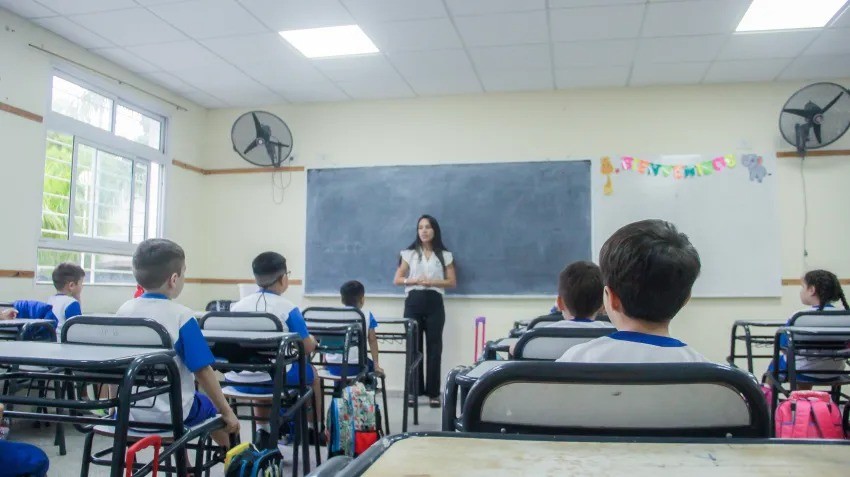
[648, 269]
[272, 277]
[17, 459]
[353, 294]
[579, 296]
[68, 281]
[159, 266]
[8, 314]
[819, 290]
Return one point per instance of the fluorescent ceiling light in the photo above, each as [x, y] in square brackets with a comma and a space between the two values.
[330, 41]
[789, 14]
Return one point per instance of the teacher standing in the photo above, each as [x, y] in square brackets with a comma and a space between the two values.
[426, 269]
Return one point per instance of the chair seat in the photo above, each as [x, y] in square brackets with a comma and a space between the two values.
[231, 392]
[323, 373]
[136, 434]
[34, 369]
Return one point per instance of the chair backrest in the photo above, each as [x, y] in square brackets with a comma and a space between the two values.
[240, 321]
[219, 305]
[540, 320]
[316, 316]
[549, 344]
[822, 319]
[659, 399]
[116, 331]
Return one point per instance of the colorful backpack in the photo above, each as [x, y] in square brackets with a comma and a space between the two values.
[245, 460]
[808, 415]
[353, 421]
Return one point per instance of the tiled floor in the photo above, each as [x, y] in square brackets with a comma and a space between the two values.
[69, 464]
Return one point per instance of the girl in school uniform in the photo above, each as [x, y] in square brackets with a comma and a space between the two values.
[426, 269]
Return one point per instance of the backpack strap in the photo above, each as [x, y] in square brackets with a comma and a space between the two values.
[802, 418]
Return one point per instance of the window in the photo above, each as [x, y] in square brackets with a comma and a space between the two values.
[103, 182]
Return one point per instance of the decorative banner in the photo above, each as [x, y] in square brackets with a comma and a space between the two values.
[607, 170]
[755, 164]
[700, 169]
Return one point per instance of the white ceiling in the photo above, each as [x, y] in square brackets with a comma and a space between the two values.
[223, 53]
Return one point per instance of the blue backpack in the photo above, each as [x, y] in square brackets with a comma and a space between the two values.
[245, 460]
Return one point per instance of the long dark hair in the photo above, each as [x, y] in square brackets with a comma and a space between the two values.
[827, 288]
[436, 242]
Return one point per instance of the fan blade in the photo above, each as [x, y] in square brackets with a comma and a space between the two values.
[270, 150]
[831, 103]
[251, 146]
[257, 126]
[799, 112]
[279, 144]
[817, 133]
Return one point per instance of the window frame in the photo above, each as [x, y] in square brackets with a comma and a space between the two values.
[108, 142]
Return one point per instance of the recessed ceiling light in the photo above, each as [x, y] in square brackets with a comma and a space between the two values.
[330, 41]
[789, 14]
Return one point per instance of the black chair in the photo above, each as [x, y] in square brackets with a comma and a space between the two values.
[550, 343]
[659, 399]
[219, 305]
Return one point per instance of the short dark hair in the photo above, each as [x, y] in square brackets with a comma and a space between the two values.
[351, 292]
[268, 268]
[66, 273]
[580, 287]
[651, 267]
[155, 261]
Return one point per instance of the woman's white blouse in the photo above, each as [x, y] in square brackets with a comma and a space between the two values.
[429, 268]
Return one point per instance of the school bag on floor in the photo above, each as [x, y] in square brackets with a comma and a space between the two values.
[808, 415]
[353, 421]
[245, 460]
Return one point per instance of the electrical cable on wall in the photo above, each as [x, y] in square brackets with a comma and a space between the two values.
[805, 213]
[280, 186]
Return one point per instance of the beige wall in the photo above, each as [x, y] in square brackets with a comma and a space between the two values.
[24, 83]
[511, 127]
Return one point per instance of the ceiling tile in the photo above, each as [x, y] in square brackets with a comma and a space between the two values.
[595, 77]
[521, 56]
[843, 21]
[693, 17]
[590, 3]
[595, 23]
[503, 29]
[73, 32]
[220, 18]
[251, 99]
[219, 80]
[279, 76]
[394, 10]
[667, 73]
[745, 70]
[281, 15]
[785, 44]
[156, 2]
[516, 80]
[818, 67]
[831, 42]
[204, 99]
[126, 59]
[594, 53]
[251, 49]
[66, 7]
[484, 7]
[414, 35]
[169, 81]
[437, 72]
[179, 55]
[134, 26]
[27, 8]
[377, 88]
[683, 48]
[355, 68]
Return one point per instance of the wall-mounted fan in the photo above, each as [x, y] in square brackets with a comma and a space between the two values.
[262, 139]
[815, 116]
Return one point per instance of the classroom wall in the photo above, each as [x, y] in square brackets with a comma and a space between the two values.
[24, 83]
[518, 127]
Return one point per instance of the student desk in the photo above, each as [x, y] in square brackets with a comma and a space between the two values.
[489, 455]
[807, 341]
[282, 349]
[750, 333]
[126, 366]
[14, 329]
[502, 345]
[412, 359]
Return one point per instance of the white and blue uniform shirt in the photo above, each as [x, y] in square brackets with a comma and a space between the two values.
[353, 352]
[577, 323]
[193, 353]
[811, 363]
[632, 347]
[264, 301]
[429, 268]
[64, 308]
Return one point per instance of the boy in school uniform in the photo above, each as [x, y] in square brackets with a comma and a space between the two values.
[159, 266]
[272, 276]
[353, 294]
[580, 296]
[68, 281]
[648, 269]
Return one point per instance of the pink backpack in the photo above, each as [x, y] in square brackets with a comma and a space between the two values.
[808, 415]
